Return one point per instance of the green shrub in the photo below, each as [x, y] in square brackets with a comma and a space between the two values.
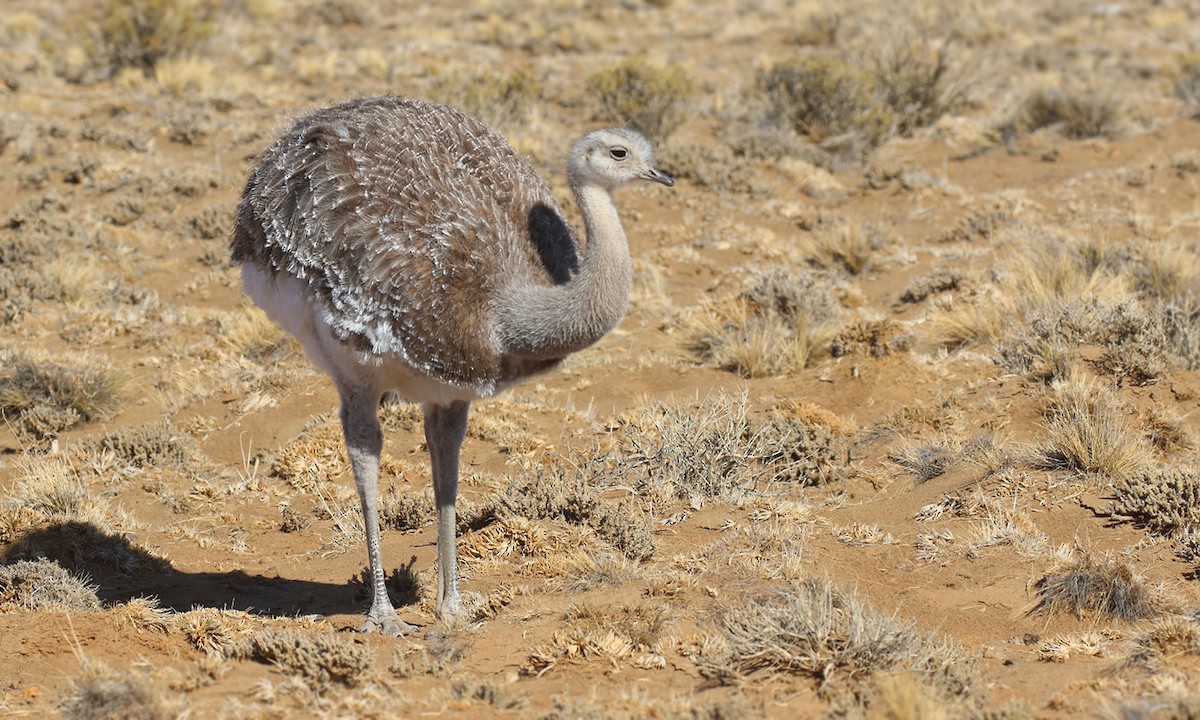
[651, 98]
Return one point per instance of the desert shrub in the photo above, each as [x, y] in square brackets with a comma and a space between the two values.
[55, 396]
[563, 492]
[926, 460]
[1168, 431]
[1141, 341]
[1167, 638]
[439, 655]
[1088, 431]
[1181, 330]
[651, 98]
[1090, 584]
[486, 692]
[811, 628]
[612, 633]
[935, 283]
[100, 692]
[139, 33]
[1165, 499]
[343, 13]
[825, 99]
[1187, 83]
[83, 547]
[1081, 112]
[44, 585]
[712, 165]
[210, 223]
[913, 77]
[319, 660]
[779, 323]
[157, 443]
[874, 338]
[795, 450]
[695, 451]
[405, 511]
[500, 100]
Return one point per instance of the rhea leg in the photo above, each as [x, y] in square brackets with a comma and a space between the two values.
[364, 443]
[445, 427]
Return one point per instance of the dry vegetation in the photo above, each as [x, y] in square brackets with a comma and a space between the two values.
[903, 421]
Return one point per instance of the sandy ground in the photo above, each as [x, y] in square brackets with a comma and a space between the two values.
[118, 190]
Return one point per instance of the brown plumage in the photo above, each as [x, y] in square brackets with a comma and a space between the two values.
[410, 248]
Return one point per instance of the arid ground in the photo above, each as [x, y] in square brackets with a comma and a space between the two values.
[902, 421]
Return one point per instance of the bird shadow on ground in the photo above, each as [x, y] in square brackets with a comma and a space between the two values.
[122, 571]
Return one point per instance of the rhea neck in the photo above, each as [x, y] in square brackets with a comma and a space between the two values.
[537, 321]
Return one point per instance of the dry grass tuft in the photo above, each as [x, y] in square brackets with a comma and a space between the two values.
[47, 397]
[612, 633]
[1088, 584]
[100, 691]
[44, 585]
[319, 660]
[780, 323]
[1088, 430]
[206, 629]
[926, 459]
[710, 449]
[314, 459]
[251, 334]
[810, 628]
[847, 247]
[1167, 640]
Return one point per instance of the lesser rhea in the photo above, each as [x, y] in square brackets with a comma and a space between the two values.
[409, 247]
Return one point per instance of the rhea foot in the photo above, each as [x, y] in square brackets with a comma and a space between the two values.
[386, 622]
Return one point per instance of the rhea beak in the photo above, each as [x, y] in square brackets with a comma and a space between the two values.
[659, 176]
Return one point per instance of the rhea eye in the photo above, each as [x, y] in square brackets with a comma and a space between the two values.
[618, 153]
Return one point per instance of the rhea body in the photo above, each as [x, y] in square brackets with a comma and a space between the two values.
[408, 247]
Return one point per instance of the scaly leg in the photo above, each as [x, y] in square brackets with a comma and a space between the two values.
[445, 428]
[364, 443]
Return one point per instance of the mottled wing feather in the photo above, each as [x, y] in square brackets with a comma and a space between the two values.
[404, 218]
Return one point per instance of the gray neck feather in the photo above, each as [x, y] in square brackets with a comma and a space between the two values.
[545, 322]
